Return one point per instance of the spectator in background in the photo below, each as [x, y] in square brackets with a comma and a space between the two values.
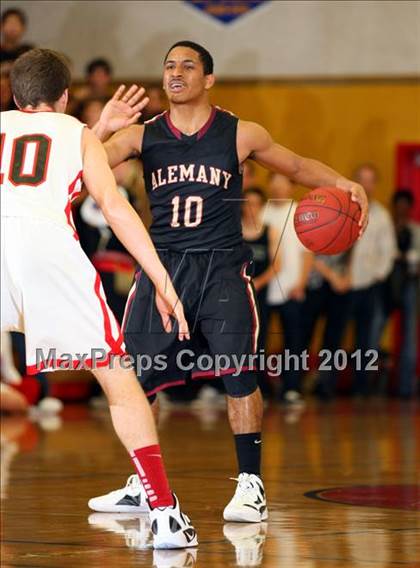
[327, 293]
[372, 260]
[6, 96]
[13, 27]
[90, 110]
[403, 288]
[98, 81]
[286, 290]
[156, 104]
[263, 241]
[249, 177]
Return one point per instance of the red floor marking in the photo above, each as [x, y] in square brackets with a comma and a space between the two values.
[405, 497]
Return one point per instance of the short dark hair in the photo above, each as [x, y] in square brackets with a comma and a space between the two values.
[14, 12]
[98, 63]
[403, 194]
[205, 57]
[39, 76]
[256, 191]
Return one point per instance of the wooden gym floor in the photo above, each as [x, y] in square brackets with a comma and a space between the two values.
[342, 481]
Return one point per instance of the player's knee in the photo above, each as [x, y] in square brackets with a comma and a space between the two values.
[243, 385]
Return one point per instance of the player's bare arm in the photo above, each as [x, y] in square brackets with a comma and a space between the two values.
[129, 229]
[253, 141]
[124, 144]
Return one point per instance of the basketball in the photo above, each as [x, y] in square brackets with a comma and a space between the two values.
[327, 220]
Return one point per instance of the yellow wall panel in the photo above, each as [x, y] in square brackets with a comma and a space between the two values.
[342, 124]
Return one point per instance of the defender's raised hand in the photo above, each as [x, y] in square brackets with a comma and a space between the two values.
[124, 109]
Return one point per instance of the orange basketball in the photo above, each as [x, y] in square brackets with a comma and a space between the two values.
[327, 220]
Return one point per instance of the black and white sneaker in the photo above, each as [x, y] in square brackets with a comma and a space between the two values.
[249, 504]
[171, 528]
[130, 499]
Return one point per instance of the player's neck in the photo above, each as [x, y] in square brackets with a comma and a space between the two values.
[42, 107]
[189, 118]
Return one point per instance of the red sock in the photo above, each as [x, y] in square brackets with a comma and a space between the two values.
[149, 465]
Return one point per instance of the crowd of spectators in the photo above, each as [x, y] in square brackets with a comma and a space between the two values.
[368, 285]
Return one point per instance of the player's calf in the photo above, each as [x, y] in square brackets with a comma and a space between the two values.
[245, 411]
[127, 403]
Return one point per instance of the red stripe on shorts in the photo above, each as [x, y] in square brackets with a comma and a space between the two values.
[211, 374]
[252, 305]
[114, 345]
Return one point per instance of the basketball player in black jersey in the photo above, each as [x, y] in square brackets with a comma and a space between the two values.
[192, 157]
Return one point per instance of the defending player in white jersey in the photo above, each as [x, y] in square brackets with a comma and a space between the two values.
[50, 291]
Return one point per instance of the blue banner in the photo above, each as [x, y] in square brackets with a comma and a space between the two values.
[226, 11]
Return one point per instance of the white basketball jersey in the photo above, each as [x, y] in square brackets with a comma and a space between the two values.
[41, 165]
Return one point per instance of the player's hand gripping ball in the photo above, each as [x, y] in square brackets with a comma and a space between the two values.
[327, 220]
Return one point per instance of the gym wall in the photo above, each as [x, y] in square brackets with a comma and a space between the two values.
[308, 38]
[336, 80]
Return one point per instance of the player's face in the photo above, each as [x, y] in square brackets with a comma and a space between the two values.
[183, 76]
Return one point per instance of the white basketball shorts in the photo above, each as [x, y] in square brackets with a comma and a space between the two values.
[51, 292]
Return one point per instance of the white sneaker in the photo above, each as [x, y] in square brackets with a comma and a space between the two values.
[47, 406]
[130, 499]
[50, 405]
[294, 399]
[171, 528]
[248, 540]
[248, 505]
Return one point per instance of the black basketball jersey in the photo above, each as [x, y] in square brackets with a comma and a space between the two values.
[194, 183]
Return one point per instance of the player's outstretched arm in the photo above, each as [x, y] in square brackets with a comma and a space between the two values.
[129, 229]
[256, 143]
[124, 144]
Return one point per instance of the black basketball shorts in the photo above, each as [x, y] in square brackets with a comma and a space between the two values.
[220, 306]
